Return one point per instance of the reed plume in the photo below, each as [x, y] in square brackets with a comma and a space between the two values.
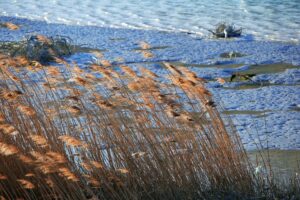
[76, 134]
[26, 184]
[7, 149]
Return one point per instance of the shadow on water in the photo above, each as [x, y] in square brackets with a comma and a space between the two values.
[117, 39]
[260, 69]
[151, 48]
[253, 85]
[269, 68]
[246, 112]
[225, 66]
[253, 69]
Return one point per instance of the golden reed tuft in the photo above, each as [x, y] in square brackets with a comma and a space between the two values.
[26, 184]
[74, 110]
[65, 172]
[26, 110]
[10, 95]
[128, 71]
[57, 157]
[53, 71]
[7, 149]
[25, 159]
[71, 141]
[148, 73]
[8, 129]
[39, 140]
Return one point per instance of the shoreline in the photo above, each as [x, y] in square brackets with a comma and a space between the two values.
[179, 47]
[208, 36]
[139, 31]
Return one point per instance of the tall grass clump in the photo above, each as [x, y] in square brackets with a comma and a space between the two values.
[115, 133]
[39, 48]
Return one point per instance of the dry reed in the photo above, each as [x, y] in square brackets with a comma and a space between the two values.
[127, 136]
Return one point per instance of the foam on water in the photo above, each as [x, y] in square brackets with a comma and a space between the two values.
[265, 19]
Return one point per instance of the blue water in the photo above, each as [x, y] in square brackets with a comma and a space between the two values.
[279, 128]
[264, 19]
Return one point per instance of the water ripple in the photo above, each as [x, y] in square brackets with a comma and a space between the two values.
[266, 19]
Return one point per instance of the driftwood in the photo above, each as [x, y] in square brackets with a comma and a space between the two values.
[224, 30]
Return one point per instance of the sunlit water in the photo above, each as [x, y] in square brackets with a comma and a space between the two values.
[265, 19]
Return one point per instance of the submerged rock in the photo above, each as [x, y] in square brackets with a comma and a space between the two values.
[39, 48]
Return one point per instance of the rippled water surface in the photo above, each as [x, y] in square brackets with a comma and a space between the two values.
[265, 19]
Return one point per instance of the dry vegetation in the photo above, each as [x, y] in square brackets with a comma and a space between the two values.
[39, 48]
[114, 133]
[9, 26]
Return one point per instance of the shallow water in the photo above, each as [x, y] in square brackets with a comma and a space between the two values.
[284, 162]
[265, 19]
[269, 68]
[279, 94]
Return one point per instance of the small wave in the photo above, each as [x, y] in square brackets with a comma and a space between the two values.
[265, 19]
